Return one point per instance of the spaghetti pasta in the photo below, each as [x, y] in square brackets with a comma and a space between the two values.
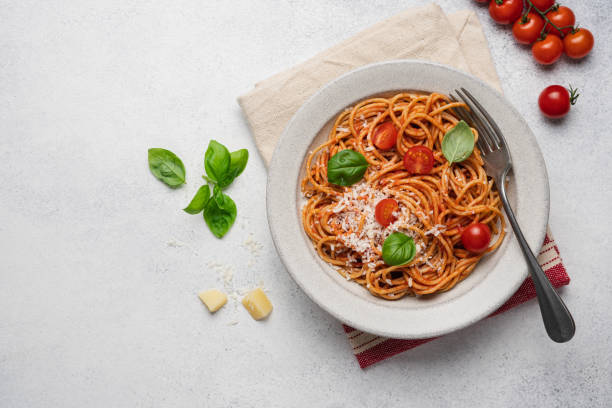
[433, 208]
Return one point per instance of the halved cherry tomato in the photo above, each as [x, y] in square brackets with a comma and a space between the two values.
[419, 160]
[384, 211]
[476, 237]
[505, 11]
[578, 43]
[385, 136]
[548, 50]
[561, 17]
[527, 28]
[542, 5]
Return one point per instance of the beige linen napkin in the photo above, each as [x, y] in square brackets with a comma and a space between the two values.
[424, 33]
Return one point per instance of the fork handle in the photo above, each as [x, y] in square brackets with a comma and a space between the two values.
[558, 320]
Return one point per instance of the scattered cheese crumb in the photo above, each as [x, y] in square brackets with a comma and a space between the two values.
[213, 299]
[258, 304]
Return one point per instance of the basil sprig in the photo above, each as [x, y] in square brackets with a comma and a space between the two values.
[458, 143]
[220, 212]
[398, 249]
[346, 168]
[167, 167]
[222, 168]
[199, 201]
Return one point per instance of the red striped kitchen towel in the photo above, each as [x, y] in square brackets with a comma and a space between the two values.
[370, 349]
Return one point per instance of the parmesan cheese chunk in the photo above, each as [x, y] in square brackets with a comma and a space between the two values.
[213, 299]
[257, 303]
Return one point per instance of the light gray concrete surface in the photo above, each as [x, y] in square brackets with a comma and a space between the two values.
[99, 267]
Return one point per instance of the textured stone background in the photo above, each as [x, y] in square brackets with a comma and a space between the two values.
[99, 267]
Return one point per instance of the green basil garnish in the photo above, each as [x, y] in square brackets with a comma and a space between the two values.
[458, 143]
[238, 162]
[220, 212]
[167, 167]
[398, 249]
[346, 168]
[199, 201]
[216, 161]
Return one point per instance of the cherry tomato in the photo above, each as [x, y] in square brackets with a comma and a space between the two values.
[548, 50]
[419, 160]
[542, 5]
[385, 136]
[384, 211]
[555, 101]
[578, 43]
[562, 17]
[476, 237]
[505, 11]
[527, 29]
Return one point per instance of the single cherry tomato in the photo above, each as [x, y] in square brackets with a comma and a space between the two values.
[561, 17]
[385, 136]
[505, 11]
[548, 50]
[476, 237]
[555, 101]
[542, 5]
[385, 210]
[527, 29]
[419, 160]
[578, 43]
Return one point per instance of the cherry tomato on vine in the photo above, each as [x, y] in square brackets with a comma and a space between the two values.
[578, 43]
[526, 29]
[505, 11]
[384, 211]
[476, 237]
[555, 101]
[419, 160]
[548, 50]
[542, 5]
[385, 136]
[561, 17]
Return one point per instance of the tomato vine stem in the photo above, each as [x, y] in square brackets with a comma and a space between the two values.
[543, 15]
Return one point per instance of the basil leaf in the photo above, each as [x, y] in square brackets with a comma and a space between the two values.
[216, 161]
[238, 162]
[398, 249]
[199, 201]
[167, 167]
[346, 167]
[458, 143]
[220, 213]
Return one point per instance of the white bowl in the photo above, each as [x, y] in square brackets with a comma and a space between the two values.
[492, 282]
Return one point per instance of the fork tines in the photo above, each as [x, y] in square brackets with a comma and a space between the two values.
[490, 136]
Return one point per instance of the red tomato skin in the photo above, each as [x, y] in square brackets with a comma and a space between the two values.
[419, 160]
[562, 17]
[476, 237]
[542, 5]
[578, 44]
[554, 101]
[507, 12]
[528, 32]
[548, 50]
[384, 136]
[384, 211]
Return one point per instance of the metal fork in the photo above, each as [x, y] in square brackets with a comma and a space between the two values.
[494, 150]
